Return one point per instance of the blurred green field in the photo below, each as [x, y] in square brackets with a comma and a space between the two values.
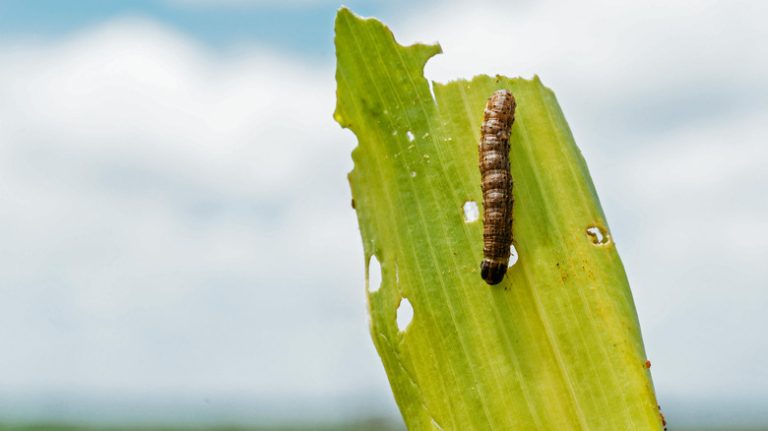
[370, 425]
[373, 425]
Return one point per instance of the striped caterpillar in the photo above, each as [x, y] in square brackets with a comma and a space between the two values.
[496, 185]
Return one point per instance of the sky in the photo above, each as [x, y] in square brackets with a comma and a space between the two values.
[173, 248]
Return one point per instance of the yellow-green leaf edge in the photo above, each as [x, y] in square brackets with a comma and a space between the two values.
[556, 345]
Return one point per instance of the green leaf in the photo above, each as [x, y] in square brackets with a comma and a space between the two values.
[556, 345]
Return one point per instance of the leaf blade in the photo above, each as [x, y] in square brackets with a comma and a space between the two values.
[557, 345]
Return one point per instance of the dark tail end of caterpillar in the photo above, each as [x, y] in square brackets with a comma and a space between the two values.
[492, 271]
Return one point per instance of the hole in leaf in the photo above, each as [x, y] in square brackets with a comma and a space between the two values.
[598, 235]
[413, 174]
[513, 256]
[432, 90]
[373, 275]
[404, 314]
[410, 136]
[471, 212]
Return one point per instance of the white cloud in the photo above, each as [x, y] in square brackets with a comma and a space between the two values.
[611, 63]
[695, 235]
[176, 222]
